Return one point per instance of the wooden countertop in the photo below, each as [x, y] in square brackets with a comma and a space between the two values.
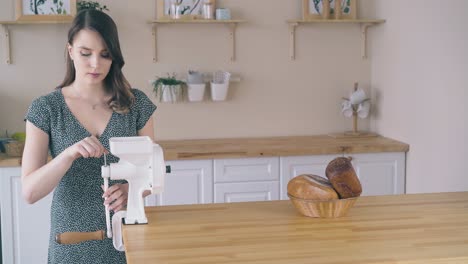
[264, 147]
[411, 228]
[276, 146]
[6, 161]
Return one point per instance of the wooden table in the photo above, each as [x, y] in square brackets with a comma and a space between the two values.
[415, 228]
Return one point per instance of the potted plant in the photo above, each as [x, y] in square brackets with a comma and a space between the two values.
[168, 89]
[14, 147]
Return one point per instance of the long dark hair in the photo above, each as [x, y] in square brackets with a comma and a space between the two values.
[115, 82]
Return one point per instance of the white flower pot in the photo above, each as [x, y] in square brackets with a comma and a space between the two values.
[196, 92]
[219, 91]
[171, 93]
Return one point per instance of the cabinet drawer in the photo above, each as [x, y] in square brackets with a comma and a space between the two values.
[246, 192]
[244, 170]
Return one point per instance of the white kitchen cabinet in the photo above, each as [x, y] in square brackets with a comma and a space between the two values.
[242, 180]
[190, 182]
[25, 228]
[379, 173]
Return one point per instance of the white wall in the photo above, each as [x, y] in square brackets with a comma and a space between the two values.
[419, 80]
[275, 97]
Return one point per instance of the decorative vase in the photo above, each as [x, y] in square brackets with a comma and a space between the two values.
[175, 10]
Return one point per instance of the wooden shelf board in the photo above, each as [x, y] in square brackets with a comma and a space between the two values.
[374, 21]
[34, 22]
[194, 21]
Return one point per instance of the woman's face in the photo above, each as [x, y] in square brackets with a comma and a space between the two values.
[90, 56]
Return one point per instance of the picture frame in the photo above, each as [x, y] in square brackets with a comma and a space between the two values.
[312, 9]
[192, 9]
[45, 10]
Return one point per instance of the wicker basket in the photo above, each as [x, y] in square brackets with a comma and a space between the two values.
[14, 148]
[323, 209]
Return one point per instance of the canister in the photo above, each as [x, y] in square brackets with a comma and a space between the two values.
[208, 10]
[223, 14]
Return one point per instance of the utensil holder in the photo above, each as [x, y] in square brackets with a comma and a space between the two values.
[220, 85]
[219, 91]
[196, 92]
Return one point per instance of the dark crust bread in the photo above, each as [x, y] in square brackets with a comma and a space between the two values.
[343, 178]
[313, 187]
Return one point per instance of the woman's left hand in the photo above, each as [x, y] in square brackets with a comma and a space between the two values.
[116, 196]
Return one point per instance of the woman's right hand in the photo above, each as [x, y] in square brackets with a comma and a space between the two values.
[89, 147]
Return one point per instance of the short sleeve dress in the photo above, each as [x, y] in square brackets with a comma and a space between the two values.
[77, 204]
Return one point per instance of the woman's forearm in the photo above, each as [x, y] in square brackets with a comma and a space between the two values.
[39, 183]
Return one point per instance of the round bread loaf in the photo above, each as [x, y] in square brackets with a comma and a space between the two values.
[313, 187]
[343, 178]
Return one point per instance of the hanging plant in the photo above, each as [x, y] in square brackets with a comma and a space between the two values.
[168, 89]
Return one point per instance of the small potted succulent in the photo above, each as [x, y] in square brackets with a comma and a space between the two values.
[168, 89]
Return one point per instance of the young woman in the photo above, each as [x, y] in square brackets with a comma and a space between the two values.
[93, 103]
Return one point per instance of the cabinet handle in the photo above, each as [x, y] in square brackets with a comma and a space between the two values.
[68, 238]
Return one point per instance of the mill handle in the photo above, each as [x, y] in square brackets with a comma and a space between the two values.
[68, 238]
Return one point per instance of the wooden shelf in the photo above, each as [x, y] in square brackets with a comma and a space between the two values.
[6, 32]
[364, 24]
[231, 23]
[34, 22]
[194, 21]
[356, 21]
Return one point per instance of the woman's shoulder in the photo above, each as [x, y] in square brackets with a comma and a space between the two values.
[142, 100]
[49, 99]
[140, 95]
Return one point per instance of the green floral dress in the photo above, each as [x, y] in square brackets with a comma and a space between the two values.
[77, 204]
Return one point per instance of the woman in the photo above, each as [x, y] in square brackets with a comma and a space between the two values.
[93, 103]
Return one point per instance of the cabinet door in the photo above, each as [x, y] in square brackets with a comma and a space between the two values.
[297, 165]
[190, 182]
[241, 180]
[379, 173]
[25, 227]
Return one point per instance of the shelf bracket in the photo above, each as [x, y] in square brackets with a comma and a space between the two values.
[364, 27]
[292, 40]
[154, 30]
[232, 36]
[7, 43]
